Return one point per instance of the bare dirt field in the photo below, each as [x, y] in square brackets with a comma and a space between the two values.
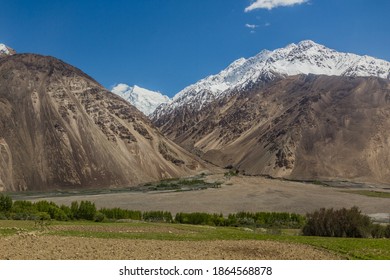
[34, 247]
[239, 193]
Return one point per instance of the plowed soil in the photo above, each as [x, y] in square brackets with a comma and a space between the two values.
[33, 246]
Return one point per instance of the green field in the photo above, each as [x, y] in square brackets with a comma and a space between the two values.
[370, 193]
[346, 248]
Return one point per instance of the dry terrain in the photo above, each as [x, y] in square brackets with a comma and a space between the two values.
[298, 127]
[37, 245]
[60, 129]
[139, 240]
[79, 248]
[240, 193]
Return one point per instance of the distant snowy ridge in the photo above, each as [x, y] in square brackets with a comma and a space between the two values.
[306, 57]
[143, 99]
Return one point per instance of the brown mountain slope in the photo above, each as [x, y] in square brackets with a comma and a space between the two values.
[301, 127]
[60, 129]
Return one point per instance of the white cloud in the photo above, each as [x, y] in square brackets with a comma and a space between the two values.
[270, 4]
[251, 26]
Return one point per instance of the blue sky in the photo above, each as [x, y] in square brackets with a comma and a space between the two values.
[165, 45]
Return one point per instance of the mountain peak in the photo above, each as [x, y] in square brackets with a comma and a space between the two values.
[143, 99]
[5, 50]
[308, 44]
[305, 57]
[303, 45]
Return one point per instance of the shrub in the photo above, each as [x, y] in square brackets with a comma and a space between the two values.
[387, 231]
[42, 219]
[5, 203]
[231, 173]
[99, 217]
[23, 207]
[44, 206]
[52, 209]
[378, 231]
[22, 216]
[219, 220]
[194, 218]
[118, 213]
[74, 209]
[86, 211]
[191, 182]
[42, 216]
[67, 211]
[58, 214]
[338, 223]
[266, 219]
[157, 216]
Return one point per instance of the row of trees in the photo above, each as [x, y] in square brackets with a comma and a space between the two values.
[45, 210]
[241, 219]
[323, 222]
[267, 219]
[86, 210]
[343, 223]
[198, 218]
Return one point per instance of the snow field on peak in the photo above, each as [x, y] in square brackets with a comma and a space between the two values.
[306, 57]
[143, 99]
[4, 49]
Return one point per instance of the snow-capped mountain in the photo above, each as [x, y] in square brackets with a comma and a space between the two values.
[143, 99]
[4, 50]
[306, 57]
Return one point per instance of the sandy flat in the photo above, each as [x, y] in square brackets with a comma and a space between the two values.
[239, 194]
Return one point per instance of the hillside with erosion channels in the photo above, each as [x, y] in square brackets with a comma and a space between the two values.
[61, 129]
[269, 115]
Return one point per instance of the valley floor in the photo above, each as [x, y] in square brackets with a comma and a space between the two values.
[140, 240]
[241, 193]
